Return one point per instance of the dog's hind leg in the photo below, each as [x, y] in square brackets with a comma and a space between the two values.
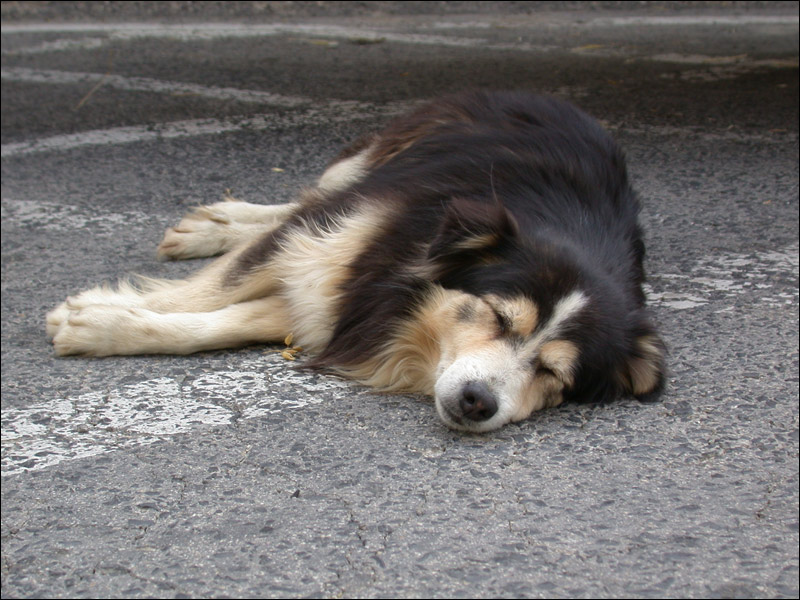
[104, 330]
[218, 228]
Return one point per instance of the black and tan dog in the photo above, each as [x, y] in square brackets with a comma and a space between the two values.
[484, 250]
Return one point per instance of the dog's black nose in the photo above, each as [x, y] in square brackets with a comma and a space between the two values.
[477, 402]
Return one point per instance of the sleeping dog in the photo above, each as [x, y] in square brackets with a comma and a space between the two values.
[484, 250]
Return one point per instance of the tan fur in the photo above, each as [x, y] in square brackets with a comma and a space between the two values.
[521, 312]
[477, 242]
[434, 332]
[560, 356]
[542, 391]
[409, 362]
[644, 370]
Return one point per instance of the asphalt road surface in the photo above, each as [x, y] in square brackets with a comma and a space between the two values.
[235, 474]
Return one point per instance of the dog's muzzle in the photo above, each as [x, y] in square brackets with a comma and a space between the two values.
[470, 408]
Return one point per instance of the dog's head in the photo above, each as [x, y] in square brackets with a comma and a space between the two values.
[523, 327]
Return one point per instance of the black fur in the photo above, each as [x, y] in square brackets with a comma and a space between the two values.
[542, 192]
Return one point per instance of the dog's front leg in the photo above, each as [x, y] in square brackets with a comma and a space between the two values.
[104, 330]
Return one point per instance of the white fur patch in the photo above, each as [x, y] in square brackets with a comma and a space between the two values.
[344, 173]
[565, 309]
[313, 263]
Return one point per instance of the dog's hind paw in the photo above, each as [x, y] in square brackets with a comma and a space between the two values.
[201, 233]
[217, 228]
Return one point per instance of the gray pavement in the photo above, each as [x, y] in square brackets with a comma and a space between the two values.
[234, 474]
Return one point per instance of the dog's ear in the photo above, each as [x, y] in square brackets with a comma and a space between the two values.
[470, 226]
[643, 372]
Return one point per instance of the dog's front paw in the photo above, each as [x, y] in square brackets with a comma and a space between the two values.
[201, 233]
[55, 318]
[97, 330]
[125, 296]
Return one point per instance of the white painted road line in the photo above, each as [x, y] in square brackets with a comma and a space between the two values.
[335, 113]
[729, 275]
[145, 84]
[316, 116]
[180, 88]
[211, 31]
[110, 32]
[698, 20]
[47, 433]
[138, 133]
[55, 217]
[331, 111]
[219, 30]
[778, 136]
